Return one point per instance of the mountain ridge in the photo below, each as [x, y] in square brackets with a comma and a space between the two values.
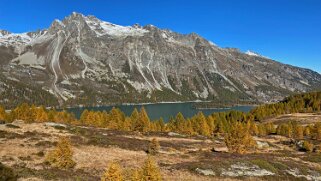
[84, 60]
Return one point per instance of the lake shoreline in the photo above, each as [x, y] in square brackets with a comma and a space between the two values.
[226, 107]
[136, 104]
[164, 110]
[197, 107]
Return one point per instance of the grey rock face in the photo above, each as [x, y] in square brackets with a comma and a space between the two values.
[242, 169]
[85, 60]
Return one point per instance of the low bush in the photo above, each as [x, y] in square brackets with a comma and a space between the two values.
[307, 146]
[113, 173]
[239, 140]
[61, 156]
[316, 158]
[7, 174]
[264, 165]
[153, 147]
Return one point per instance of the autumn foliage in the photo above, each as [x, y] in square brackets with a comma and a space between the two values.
[148, 172]
[113, 173]
[222, 123]
[61, 156]
[239, 140]
[153, 147]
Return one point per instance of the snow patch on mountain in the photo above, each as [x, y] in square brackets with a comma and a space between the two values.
[105, 28]
[15, 38]
[212, 43]
[59, 22]
[251, 53]
[20, 40]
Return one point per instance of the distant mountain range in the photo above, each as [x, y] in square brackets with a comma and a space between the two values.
[84, 60]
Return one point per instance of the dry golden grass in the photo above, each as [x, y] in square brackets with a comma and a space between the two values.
[181, 175]
[302, 118]
[174, 140]
[30, 179]
[184, 157]
[93, 157]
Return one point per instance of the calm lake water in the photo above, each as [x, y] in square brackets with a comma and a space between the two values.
[164, 110]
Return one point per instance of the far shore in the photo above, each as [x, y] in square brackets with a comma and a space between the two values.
[137, 104]
[227, 107]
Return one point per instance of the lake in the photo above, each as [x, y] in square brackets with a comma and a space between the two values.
[164, 110]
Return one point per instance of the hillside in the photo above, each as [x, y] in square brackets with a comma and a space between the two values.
[25, 148]
[274, 141]
[84, 60]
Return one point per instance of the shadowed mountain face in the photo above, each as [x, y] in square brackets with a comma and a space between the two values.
[84, 60]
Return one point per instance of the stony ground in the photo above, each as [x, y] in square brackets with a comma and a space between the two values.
[23, 147]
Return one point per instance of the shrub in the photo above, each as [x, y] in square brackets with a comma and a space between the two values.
[239, 140]
[318, 148]
[298, 132]
[113, 173]
[153, 147]
[150, 171]
[279, 166]
[136, 175]
[307, 146]
[40, 154]
[307, 131]
[61, 156]
[7, 174]
[316, 158]
[264, 165]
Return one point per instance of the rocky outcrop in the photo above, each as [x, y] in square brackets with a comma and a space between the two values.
[242, 169]
[84, 60]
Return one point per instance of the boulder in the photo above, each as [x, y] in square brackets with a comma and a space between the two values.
[51, 124]
[262, 144]
[220, 149]
[206, 172]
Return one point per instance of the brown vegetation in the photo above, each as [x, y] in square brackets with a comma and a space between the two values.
[61, 156]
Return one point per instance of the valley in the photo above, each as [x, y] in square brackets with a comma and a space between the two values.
[271, 141]
[180, 157]
[85, 99]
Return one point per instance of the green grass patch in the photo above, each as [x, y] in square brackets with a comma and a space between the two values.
[279, 165]
[264, 165]
[316, 158]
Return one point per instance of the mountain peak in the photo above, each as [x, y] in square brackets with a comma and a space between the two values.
[4, 33]
[74, 17]
[76, 14]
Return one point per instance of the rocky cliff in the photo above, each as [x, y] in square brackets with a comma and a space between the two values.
[84, 60]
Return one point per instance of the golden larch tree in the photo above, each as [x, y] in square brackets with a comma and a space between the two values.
[150, 171]
[61, 156]
[239, 140]
[113, 173]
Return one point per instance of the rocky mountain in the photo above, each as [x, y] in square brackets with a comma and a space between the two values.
[84, 60]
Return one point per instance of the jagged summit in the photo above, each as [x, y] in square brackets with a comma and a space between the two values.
[4, 33]
[252, 53]
[84, 60]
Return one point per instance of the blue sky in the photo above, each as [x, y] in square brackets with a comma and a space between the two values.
[285, 30]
